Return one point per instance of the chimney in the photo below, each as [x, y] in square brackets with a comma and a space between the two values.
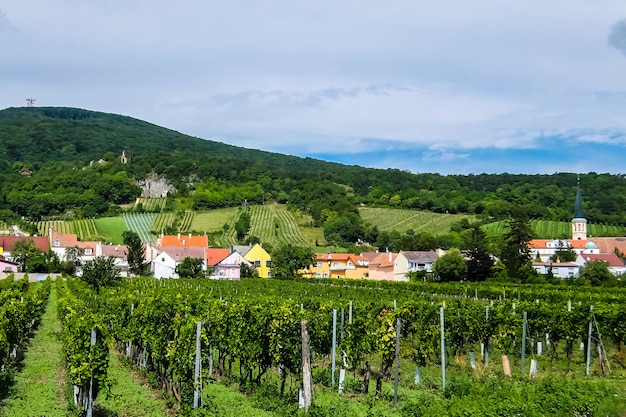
[390, 256]
[179, 236]
[189, 235]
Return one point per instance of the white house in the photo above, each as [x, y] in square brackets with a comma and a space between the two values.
[559, 269]
[615, 264]
[413, 261]
[163, 266]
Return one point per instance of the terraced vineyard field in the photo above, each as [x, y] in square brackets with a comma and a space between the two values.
[401, 220]
[140, 224]
[150, 204]
[547, 229]
[61, 226]
[161, 222]
[5, 229]
[85, 229]
[274, 224]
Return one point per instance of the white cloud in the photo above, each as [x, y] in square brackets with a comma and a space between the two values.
[297, 77]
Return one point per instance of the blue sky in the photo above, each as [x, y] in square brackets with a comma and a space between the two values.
[447, 86]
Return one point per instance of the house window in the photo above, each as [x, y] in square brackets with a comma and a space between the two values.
[87, 251]
[268, 263]
[162, 259]
[257, 263]
[318, 265]
[57, 243]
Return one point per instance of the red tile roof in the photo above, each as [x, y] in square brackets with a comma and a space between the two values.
[7, 242]
[216, 255]
[117, 251]
[611, 258]
[384, 260]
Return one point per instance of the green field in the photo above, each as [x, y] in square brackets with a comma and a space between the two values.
[111, 229]
[213, 221]
[401, 220]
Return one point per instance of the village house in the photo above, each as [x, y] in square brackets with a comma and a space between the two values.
[258, 257]
[230, 267]
[382, 267]
[171, 250]
[413, 261]
[338, 265]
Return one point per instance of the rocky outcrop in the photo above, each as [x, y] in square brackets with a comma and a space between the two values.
[155, 187]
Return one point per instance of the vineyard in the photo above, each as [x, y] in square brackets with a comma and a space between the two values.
[547, 229]
[275, 226]
[5, 229]
[428, 349]
[401, 220]
[162, 222]
[60, 226]
[152, 205]
[84, 229]
[140, 224]
[21, 306]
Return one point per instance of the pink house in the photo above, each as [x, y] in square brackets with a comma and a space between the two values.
[230, 267]
[382, 266]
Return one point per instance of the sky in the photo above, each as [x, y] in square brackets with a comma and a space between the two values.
[454, 87]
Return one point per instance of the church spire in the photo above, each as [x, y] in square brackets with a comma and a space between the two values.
[578, 208]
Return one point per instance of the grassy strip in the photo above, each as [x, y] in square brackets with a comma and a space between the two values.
[128, 397]
[38, 389]
[227, 401]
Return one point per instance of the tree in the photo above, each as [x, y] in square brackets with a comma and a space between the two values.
[248, 271]
[73, 263]
[450, 267]
[288, 260]
[597, 273]
[136, 262]
[563, 253]
[32, 259]
[515, 251]
[480, 260]
[101, 272]
[189, 268]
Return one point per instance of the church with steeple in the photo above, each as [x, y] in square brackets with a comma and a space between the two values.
[601, 248]
[579, 222]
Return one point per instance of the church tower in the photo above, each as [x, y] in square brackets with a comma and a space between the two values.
[579, 223]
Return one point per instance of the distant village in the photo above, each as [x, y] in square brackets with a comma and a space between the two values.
[226, 263]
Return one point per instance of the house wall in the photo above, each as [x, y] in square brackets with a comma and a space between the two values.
[260, 259]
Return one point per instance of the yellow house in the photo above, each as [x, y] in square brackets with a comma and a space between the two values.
[338, 265]
[261, 260]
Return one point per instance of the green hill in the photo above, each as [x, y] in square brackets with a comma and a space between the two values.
[61, 163]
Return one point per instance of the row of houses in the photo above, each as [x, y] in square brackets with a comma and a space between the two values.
[225, 263]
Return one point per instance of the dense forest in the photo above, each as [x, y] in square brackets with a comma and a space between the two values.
[65, 163]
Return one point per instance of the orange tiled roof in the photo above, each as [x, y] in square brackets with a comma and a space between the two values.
[320, 257]
[542, 243]
[385, 259]
[184, 241]
[216, 255]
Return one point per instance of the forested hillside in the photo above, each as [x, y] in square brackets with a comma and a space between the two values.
[46, 172]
